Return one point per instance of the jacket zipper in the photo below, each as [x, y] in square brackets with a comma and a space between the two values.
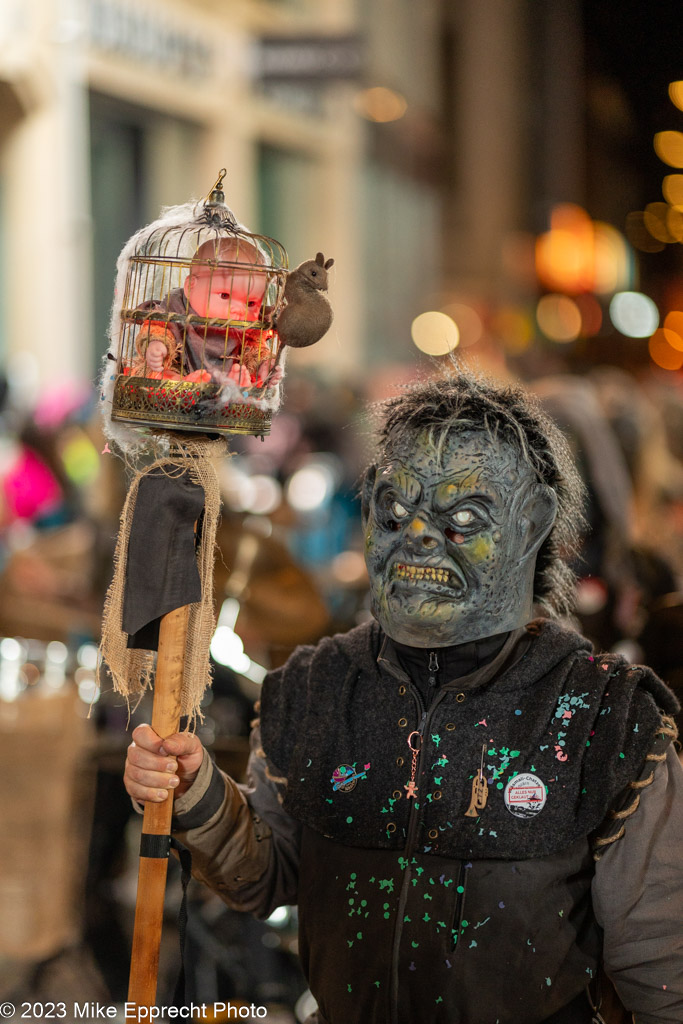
[425, 716]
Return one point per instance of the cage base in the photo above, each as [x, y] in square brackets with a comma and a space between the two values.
[184, 405]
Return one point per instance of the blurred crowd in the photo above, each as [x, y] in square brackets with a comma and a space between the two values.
[291, 557]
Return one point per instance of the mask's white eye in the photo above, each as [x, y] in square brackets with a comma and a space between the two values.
[463, 518]
[397, 510]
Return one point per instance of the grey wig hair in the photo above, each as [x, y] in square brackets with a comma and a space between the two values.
[507, 412]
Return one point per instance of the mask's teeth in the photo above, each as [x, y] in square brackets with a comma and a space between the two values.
[422, 572]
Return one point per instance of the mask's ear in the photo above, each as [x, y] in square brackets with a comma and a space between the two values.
[367, 488]
[534, 516]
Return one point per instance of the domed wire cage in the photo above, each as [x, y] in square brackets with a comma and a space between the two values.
[192, 325]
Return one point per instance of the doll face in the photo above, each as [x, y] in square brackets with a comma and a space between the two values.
[226, 294]
[451, 538]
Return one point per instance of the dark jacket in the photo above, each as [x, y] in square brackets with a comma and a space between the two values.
[411, 910]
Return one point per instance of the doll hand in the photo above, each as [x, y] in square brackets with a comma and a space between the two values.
[155, 355]
[155, 766]
[240, 374]
[275, 375]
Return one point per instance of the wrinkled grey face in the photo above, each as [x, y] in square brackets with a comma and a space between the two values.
[451, 538]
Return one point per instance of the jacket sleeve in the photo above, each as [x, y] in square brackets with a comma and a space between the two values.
[638, 901]
[244, 846]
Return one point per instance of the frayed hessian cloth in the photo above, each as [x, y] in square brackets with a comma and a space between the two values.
[131, 668]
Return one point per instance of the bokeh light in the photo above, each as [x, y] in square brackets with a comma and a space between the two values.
[669, 148]
[579, 255]
[673, 329]
[310, 487]
[591, 314]
[676, 94]
[380, 104]
[638, 235]
[559, 318]
[612, 260]
[655, 217]
[674, 222]
[672, 189]
[266, 495]
[348, 567]
[634, 314]
[662, 353]
[564, 255]
[514, 327]
[435, 333]
[468, 322]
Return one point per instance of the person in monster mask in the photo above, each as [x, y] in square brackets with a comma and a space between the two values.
[471, 808]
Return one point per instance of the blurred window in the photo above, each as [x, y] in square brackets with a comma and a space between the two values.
[287, 199]
[140, 160]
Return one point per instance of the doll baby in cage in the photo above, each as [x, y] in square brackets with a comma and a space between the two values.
[208, 338]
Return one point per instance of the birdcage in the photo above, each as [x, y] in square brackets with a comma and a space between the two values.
[192, 327]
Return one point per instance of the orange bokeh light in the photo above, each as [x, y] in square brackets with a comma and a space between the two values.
[559, 318]
[578, 255]
[591, 315]
[673, 329]
[669, 148]
[380, 104]
[676, 94]
[514, 327]
[674, 222]
[672, 188]
[638, 235]
[662, 353]
[655, 217]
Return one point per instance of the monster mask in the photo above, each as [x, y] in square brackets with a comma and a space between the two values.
[453, 524]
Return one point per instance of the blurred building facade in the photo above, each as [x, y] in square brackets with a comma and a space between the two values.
[110, 109]
[424, 147]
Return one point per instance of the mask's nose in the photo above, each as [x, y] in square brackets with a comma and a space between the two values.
[421, 535]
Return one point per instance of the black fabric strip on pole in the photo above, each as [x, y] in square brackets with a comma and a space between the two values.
[154, 846]
[161, 571]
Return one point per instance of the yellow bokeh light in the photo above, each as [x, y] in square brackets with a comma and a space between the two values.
[468, 322]
[559, 318]
[669, 148]
[672, 189]
[655, 217]
[674, 222]
[434, 333]
[514, 327]
[638, 235]
[380, 104]
[676, 94]
[662, 353]
[673, 329]
[612, 262]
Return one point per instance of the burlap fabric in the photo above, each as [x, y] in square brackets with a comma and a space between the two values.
[132, 669]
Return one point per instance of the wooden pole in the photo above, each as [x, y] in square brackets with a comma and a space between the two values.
[149, 907]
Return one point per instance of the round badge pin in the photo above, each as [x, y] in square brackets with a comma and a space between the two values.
[344, 778]
[525, 795]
